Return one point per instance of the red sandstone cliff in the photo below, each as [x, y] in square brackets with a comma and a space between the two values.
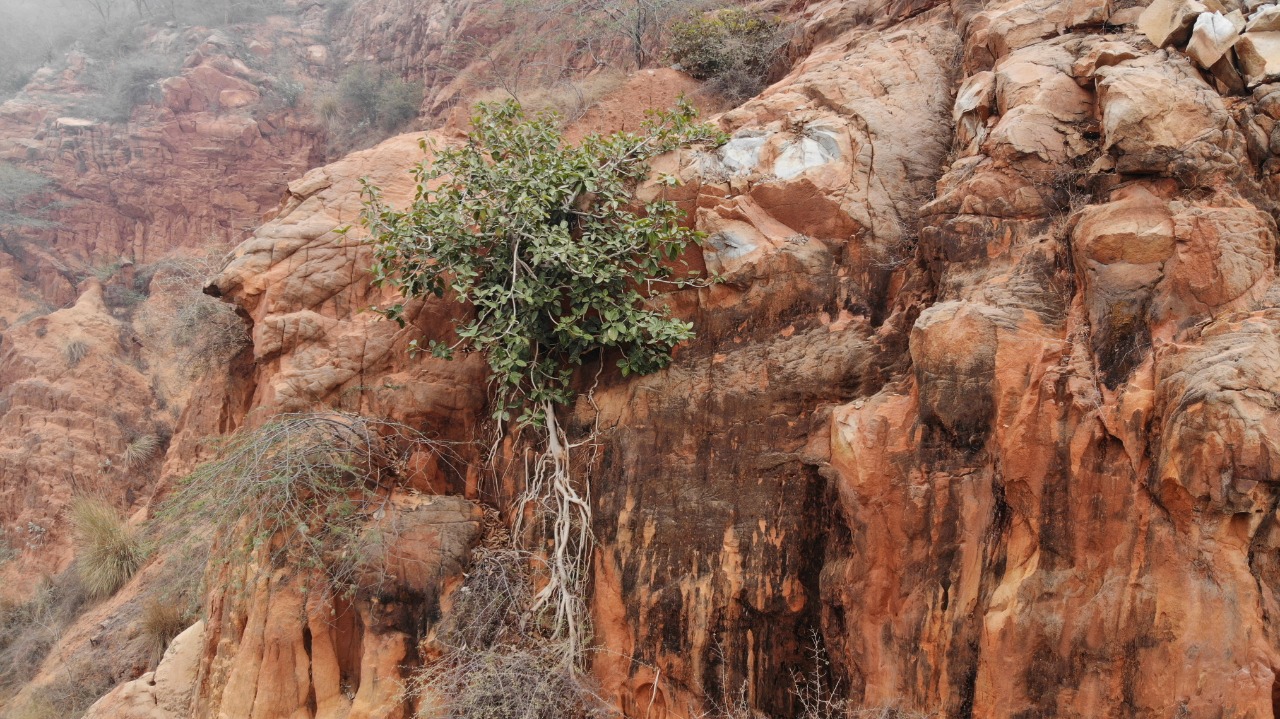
[988, 401]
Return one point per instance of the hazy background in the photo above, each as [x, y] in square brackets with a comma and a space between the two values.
[38, 32]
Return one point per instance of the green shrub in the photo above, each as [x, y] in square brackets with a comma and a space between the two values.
[541, 240]
[358, 89]
[108, 550]
[367, 103]
[398, 102]
[733, 49]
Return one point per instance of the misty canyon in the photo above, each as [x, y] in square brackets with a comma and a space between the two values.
[979, 419]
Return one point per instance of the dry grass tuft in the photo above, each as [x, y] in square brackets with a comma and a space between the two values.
[569, 98]
[140, 451]
[75, 351]
[108, 551]
[161, 622]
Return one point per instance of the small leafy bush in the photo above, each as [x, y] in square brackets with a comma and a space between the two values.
[108, 550]
[733, 49]
[544, 241]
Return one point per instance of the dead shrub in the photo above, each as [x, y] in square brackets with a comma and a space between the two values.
[202, 332]
[75, 351]
[29, 629]
[69, 695]
[494, 664]
[303, 484]
[161, 622]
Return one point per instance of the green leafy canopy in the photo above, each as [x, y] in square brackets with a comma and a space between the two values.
[548, 245]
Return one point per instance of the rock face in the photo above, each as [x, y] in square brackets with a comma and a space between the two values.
[195, 167]
[985, 407]
[986, 403]
[279, 647]
[199, 166]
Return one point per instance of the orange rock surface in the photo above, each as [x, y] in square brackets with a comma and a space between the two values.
[986, 405]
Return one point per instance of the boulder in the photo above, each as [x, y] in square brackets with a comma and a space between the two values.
[236, 98]
[1226, 76]
[1265, 20]
[1168, 22]
[162, 694]
[1259, 54]
[1212, 37]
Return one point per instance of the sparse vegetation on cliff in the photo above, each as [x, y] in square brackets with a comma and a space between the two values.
[495, 665]
[108, 550]
[733, 49]
[202, 331]
[544, 242]
[17, 188]
[302, 484]
[124, 83]
[29, 629]
[367, 104]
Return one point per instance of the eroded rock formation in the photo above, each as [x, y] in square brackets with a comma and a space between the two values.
[987, 400]
[986, 405]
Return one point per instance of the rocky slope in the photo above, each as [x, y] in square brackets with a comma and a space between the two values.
[126, 206]
[986, 407]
